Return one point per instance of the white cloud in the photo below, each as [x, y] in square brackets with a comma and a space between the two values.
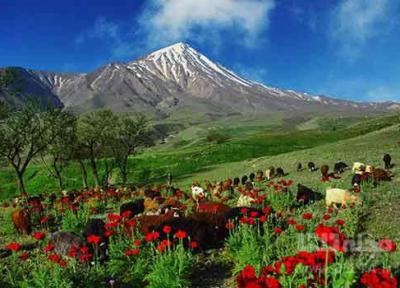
[355, 22]
[167, 21]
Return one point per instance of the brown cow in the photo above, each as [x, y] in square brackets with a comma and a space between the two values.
[22, 221]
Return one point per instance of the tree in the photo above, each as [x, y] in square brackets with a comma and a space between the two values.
[132, 133]
[8, 78]
[23, 136]
[61, 148]
[96, 134]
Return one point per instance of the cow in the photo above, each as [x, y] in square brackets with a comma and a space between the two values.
[97, 227]
[306, 195]
[270, 173]
[340, 167]
[358, 167]
[311, 167]
[280, 172]
[135, 208]
[387, 159]
[21, 219]
[65, 241]
[341, 196]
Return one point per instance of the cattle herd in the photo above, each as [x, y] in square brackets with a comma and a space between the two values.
[202, 212]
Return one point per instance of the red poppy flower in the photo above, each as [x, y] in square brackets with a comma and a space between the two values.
[278, 230]
[291, 222]
[340, 222]
[137, 242]
[152, 236]
[387, 245]
[193, 244]
[378, 278]
[167, 229]
[85, 257]
[181, 234]
[38, 235]
[253, 214]
[93, 239]
[54, 258]
[332, 236]
[263, 219]
[24, 256]
[14, 246]
[44, 220]
[307, 216]
[326, 217]
[267, 210]
[62, 263]
[127, 214]
[132, 252]
[229, 225]
[300, 227]
[48, 248]
[108, 233]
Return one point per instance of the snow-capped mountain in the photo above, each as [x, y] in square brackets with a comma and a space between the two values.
[173, 78]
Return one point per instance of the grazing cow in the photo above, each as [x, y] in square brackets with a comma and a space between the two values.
[324, 170]
[358, 168]
[260, 176]
[369, 169]
[198, 193]
[21, 219]
[149, 193]
[340, 167]
[136, 207]
[270, 173]
[387, 159]
[151, 205]
[252, 177]
[306, 195]
[249, 186]
[381, 175]
[280, 172]
[358, 179]
[299, 166]
[97, 227]
[65, 241]
[311, 167]
[336, 195]
[206, 235]
[236, 182]
[245, 201]
[244, 179]
[149, 222]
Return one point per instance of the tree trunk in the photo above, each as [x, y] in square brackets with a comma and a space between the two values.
[20, 182]
[93, 165]
[84, 174]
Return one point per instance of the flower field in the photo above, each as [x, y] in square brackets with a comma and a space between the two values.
[276, 241]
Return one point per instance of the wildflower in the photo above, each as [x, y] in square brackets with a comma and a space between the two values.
[127, 214]
[307, 216]
[181, 234]
[14, 246]
[167, 229]
[278, 230]
[62, 263]
[24, 256]
[387, 245]
[44, 220]
[332, 237]
[378, 278]
[93, 239]
[85, 257]
[108, 233]
[73, 252]
[54, 258]
[193, 244]
[48, 248]
[152, 236]
[291, 222]
[39, 236]
[254, 214]
[340, 222]
[300, 227]
[263, 219]
[132, 252]
[137, 242]
[267, 210]
[326, 217]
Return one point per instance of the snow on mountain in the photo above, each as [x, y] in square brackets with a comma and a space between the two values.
[176, 77]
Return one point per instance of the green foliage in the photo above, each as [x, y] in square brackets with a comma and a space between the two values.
[171, 269]
[75, 221]
[217, 138]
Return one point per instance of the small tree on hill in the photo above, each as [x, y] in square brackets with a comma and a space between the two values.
[24, 135]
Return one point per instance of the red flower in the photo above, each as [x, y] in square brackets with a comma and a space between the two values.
[307, 216]
[137, 242]
[152, 236]
[291, 222]
[378, 278]
[44, 220]
[332, 236]
[253, 214]
[167, 229]
[38, 235]
[387, 245]
[263, 219]
[278, 230]
[62, 263]
[267, 210]
[229, 225]
[127, 214]
[132, 252]
[243, 211]
[24, 256]
[93, 239]
[326, 217]
[340, 222]
[48, 248]
[14, 246]
[108, 233]
[300, 227]
[181, 234]
[54, 258]
[193, 244]
[85, 257]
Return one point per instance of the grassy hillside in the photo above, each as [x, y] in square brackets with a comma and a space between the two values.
[191, 151]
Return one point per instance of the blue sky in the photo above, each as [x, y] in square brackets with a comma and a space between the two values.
[343, 48]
